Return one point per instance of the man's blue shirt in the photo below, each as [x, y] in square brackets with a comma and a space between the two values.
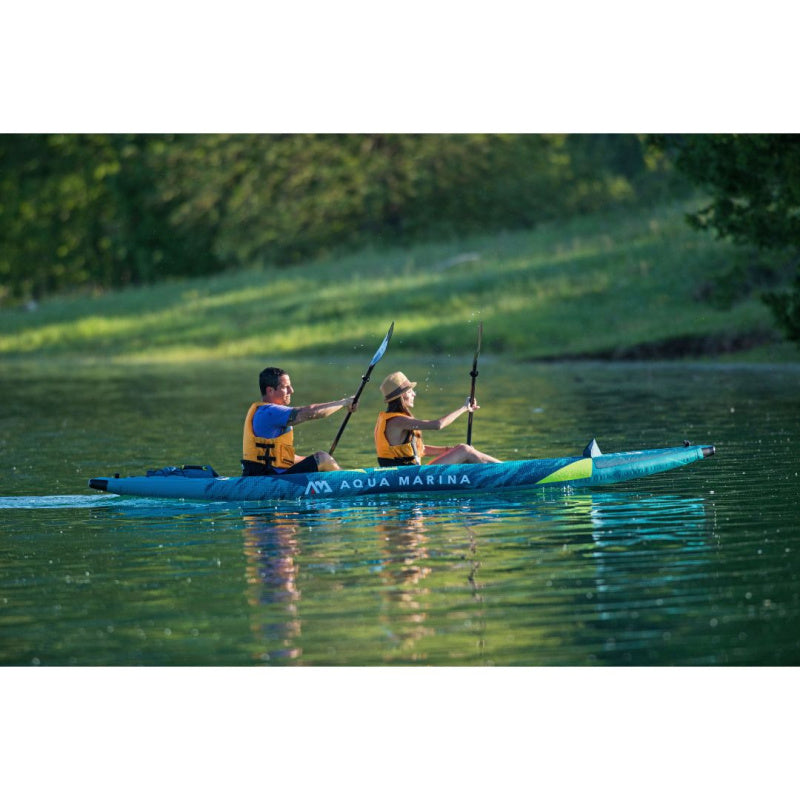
[271, 421]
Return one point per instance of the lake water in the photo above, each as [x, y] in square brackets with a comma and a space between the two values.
[698, 566]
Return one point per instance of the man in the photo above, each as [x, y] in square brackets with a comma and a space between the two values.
[268, 439]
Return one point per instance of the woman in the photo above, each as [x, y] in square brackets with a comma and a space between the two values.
[398, 437]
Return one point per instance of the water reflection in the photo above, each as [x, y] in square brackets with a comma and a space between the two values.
[271, 570]
[650, 556]
[617, 516]
[537, 578]
[404, 568]
[413, 580]
[377, 581]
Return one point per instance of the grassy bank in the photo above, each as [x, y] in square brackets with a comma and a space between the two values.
[609, 286]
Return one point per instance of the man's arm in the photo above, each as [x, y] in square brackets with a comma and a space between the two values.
[320, 410]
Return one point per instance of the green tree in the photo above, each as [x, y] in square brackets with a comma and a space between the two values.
[106, 210]
[94, 210]
[753, 181]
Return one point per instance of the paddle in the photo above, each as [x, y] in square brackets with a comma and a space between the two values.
[474, 375]
[364, 378]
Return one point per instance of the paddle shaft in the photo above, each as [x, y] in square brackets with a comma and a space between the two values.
[364, 378]
[474, 375]
[349, 414]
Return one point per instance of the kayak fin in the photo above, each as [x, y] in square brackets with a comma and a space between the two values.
[592, 449]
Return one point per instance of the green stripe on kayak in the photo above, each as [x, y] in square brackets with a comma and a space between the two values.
[572, 472]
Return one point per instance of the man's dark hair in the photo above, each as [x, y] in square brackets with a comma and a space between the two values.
[269, 377]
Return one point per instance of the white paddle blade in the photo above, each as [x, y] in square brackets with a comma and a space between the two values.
[382, 349]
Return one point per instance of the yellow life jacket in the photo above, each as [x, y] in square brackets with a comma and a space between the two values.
[277, 452]
[394, 455]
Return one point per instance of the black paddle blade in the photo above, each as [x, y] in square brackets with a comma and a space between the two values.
[474, 372]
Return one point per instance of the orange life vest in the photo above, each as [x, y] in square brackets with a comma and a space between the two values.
[395, 455]
[277, 452]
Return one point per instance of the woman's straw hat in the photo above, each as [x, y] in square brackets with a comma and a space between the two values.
[395, 384]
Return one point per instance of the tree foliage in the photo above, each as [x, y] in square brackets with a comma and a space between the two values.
[108, 210]
[753, 182]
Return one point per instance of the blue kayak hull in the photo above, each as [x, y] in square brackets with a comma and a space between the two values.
[582, 471]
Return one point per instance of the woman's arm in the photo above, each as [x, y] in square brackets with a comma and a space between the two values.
[403, 423]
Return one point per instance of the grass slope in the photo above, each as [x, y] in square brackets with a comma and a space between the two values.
[616, 285]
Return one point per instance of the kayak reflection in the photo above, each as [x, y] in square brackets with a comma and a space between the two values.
[271, 569]
[404, 569]
[416, 581]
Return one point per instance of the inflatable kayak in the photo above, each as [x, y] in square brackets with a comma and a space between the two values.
[591, 469]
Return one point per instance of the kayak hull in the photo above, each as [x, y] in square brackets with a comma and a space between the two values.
[599, 470]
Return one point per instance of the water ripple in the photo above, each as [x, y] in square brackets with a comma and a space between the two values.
[56, 501]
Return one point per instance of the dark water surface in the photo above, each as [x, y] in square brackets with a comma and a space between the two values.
[699, 566]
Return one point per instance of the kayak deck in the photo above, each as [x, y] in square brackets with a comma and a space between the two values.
[202, 483]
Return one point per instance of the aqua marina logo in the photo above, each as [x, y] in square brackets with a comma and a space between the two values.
[318, 487]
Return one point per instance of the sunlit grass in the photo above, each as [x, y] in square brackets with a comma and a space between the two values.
[587, 286]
